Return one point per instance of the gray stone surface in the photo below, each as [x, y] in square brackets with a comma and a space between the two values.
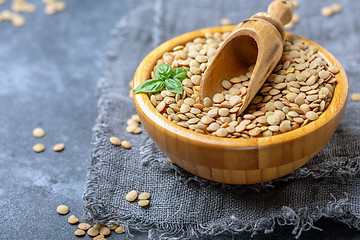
[48, 74]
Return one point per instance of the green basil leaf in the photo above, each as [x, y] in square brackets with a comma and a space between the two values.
[173, 85]
[180, 73]
[163, 71]
[151, 85]
[179, 70]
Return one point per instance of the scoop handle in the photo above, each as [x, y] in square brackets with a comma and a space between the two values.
[282, 9]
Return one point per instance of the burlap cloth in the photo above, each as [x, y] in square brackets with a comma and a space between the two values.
[184, 206]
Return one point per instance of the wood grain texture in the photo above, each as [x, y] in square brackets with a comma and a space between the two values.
[237, 161]
[259, 41]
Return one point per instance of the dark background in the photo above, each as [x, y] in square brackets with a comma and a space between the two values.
[49, 70]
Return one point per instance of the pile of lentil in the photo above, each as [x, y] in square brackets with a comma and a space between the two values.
[297, 92]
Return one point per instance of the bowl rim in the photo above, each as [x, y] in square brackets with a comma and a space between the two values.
[141, 101]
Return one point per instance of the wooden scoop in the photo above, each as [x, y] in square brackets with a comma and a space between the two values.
[258, 40]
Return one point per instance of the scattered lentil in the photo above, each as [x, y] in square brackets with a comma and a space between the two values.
[126, 144]
[84, 226]
[38, 132]
[73, 220]
[58, 147]
[38, 147]
[79, 232]
[120, 230]
[99, 237]
[143, 203]
[131, 196]
[225, 22]
[327, 11]
[98, 226]
[93, 232]
[355, 97]
[62, 209]
[105, 231]
[22, 6]
[115, 141]
[336, 7]
[144, 196]
[112, 226]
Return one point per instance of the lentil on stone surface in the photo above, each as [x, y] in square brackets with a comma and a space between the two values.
[355, 97]
[302, 82]
[58, 147]
[38, 132]
[62, 209]
[73, 220]
[84, 226]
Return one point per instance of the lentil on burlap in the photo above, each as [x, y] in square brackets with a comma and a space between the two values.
[297, 92]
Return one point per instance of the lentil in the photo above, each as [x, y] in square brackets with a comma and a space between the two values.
[38, 132]
[62, 209]
[115, 141]
[93, 232]
[301, 82]
[79, 232]
[225, 22]
[126, 144]
[144, 196]
[38, 147]
[99, 237]
[58, 147]
[98, 226]
[336, 7]
[105, 231]
[120, 230]
[327, 11]
[312, 115]
[355, 97]
[143, 203]
[73, 220]
[131, 196]
[84, 226]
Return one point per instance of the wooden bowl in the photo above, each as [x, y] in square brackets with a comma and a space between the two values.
[237, 161]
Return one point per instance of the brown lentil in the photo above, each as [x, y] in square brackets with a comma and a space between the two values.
[120, 230]
[225, 22]
[112, 226]
[99, 237]
[143, 203]
[38, 132]
[84, 226]
[62, 209]
[115, 141]
[301, 82]
[105, 231]
[38, 147]
[58, 147]
[144, 196]
[327, 11]
[126, 144]
[79, 232]
[131, 196]
[355, 97]
[73, 220]
[93, 232]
